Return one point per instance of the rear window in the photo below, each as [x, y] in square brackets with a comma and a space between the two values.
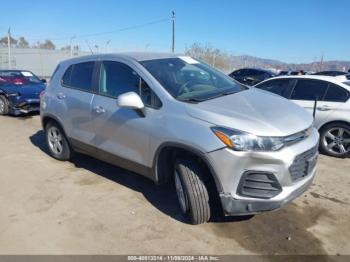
[18, 78]
[336, 94]
[79, 76]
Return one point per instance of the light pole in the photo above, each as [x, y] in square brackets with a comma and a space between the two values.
[70, 44]
[173, 22]
[9, 46]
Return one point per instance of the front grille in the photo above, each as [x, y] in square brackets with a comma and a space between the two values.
[259, 184]
[303, 164]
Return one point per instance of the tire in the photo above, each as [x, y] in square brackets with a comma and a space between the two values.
[194, 201]
[335, 140]
[4, 106]
[57, 142]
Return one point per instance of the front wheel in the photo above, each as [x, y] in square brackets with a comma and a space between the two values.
[57, 142]
[4, 106]
[191, 191]
[335, 140]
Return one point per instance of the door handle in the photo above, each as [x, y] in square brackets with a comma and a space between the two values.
[99, 109]
[323, 108]
[61, 96]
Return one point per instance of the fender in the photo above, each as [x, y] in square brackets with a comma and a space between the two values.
[48, 115]
[194, 151]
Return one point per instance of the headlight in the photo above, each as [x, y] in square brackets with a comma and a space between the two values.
[14, 94]
[242, 141]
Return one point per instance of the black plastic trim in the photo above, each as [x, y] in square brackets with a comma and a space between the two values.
[261, 187]
[196, 152]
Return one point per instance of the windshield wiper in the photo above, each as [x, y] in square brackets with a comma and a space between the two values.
[191, 100]
[221, 94]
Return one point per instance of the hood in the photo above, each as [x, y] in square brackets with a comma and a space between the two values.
[254, 111]
[26, 91]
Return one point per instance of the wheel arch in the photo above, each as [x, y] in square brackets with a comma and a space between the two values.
[165, 153]
[47, 118]
[333, 122]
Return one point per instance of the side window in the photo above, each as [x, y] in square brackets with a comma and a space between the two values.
[117, 78]
[336, 94]
[79, 76]
[282, 87]
[309, 90]
[66, 77]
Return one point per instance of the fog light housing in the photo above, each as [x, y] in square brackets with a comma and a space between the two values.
[259, 184]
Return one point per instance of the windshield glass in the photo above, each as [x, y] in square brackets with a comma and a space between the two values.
[190, 80]
[18, 78]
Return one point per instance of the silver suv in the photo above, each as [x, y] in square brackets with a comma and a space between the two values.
[174, 118]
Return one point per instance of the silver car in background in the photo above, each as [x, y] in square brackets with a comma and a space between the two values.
[174, 118]
[332, 114]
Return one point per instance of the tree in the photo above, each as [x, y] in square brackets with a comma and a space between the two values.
[3, 41]
[48, 44]
[22, 42]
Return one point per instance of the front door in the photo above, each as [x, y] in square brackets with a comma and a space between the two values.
[123, 135]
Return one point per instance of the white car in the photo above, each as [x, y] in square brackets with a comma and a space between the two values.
[332, 110]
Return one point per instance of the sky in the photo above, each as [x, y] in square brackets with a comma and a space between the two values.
[298, 31]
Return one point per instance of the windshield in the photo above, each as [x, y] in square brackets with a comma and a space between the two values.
[18, 78]
[190, 80]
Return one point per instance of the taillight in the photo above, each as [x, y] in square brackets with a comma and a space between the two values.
[42, 94]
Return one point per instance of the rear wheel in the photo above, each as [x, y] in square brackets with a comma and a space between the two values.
[191, 191]
[335, 140]
[57, 142]
[4, 106]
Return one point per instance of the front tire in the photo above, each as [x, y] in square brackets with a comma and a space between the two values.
[191, 191]
[4, 106]
[57, 142]
[335, 140]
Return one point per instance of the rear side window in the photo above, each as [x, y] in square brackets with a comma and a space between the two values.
[79, 76]
[282, 87]
[309, 90]
[336, 94]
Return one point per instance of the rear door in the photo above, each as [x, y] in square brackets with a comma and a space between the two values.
[305, 93]
[75, 95]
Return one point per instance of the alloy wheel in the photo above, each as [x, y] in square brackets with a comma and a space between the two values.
[55, 140]
[2, 106]
[337, 140]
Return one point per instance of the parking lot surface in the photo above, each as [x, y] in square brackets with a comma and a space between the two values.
[89, 207]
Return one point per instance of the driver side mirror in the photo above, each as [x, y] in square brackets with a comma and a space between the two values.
[131, 100]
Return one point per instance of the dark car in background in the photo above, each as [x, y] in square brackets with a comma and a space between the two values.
[330, 73]
[20, 92]
[251, 76]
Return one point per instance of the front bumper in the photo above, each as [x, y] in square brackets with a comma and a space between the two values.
[24, 106]
[233, 206]
[231, 166]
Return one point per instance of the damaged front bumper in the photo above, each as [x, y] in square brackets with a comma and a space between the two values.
[25, 106]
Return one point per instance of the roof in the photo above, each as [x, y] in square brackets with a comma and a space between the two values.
[256, 68]
[137, 56]
[339, 80]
